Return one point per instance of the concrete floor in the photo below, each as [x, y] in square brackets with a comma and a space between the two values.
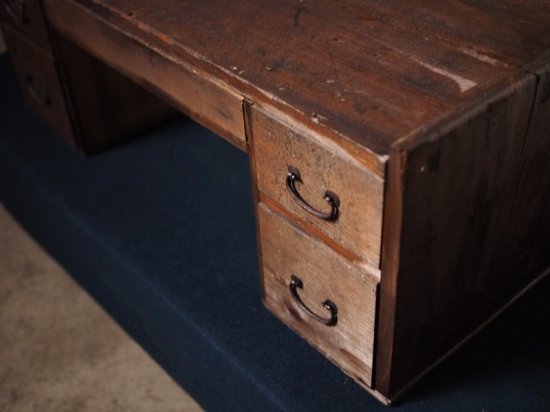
[59, 351]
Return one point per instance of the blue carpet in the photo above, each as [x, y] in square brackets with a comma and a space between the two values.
[161, 233]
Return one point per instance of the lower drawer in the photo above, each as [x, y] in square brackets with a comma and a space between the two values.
[326, 299]
[39, 83]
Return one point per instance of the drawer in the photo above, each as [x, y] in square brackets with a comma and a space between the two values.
[320, 169]
[27, 17]
[299, 275]
[39, 83]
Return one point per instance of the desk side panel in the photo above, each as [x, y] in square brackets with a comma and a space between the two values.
[468, 231]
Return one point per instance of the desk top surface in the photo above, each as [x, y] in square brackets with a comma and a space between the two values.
[371, 71]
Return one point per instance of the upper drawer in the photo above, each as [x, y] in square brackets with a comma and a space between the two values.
[319, 183]
[26, 16]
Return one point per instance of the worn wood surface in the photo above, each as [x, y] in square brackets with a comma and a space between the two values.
[194, 92]
[27, 18]
[107, 107]
[323, 166]
[366, 73]
[287, 251]
[39, 83]
[467, 228]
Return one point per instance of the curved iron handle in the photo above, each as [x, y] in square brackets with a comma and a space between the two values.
[330, 197]
[20, 17]
[41, 96]
[296, 283]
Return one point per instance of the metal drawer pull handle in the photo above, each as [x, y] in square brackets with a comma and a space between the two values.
[42, 96]
[330, 197]
[21, 15]
[295, 283]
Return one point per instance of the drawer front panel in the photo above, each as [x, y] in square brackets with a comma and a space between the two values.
[39, 83]
[324, 169]
[289, 254]
[27, 17]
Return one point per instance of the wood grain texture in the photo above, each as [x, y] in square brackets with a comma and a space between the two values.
[39, 82]
[27, 18]
[467, 228]
[366, 73]
[323, 166]
[287, 251]
[196, 93]
[107, 107]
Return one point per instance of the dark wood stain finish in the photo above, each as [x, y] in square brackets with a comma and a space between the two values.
[194, 92]
[468, 228]
[363, 72]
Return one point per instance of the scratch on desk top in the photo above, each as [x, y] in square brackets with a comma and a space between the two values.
[463, 83]
[483, 57]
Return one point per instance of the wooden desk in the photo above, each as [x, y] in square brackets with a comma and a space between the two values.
[399, 150]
